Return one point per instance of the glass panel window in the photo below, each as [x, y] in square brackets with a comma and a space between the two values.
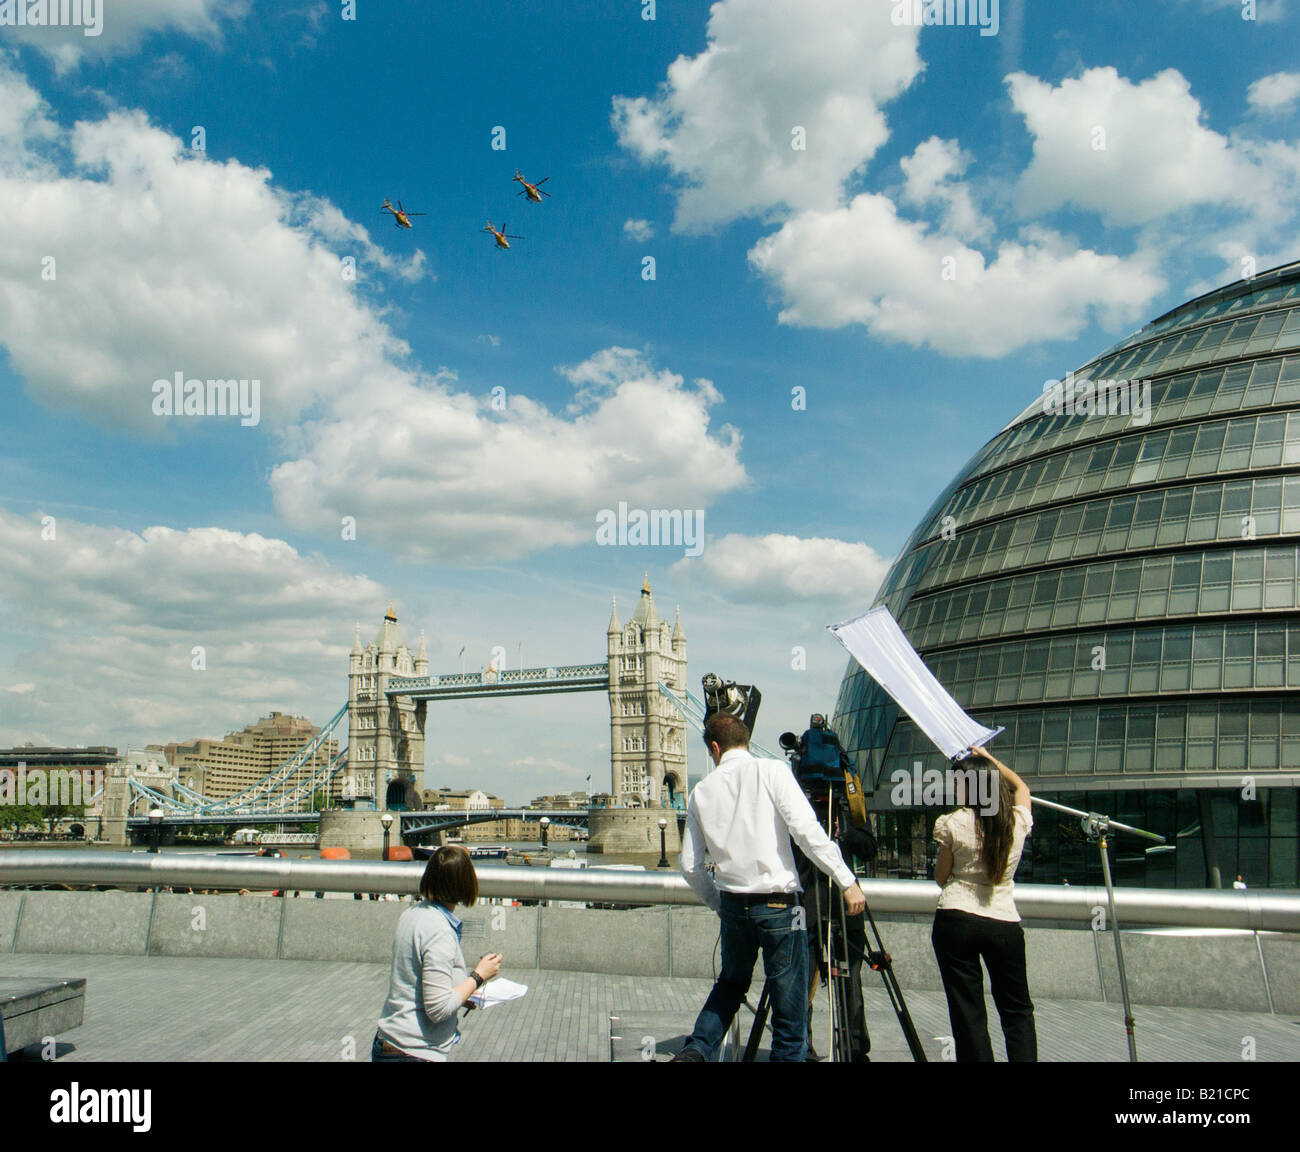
[1145, 519]
[1266, 508]
[1248, 582]
[1155, 587]
[1239, 656]
[1263, 382]
[1215, 582]
[1209, 444]
[1280, 583]
[1236, 445]
[1207, 658]
[1204, 522]
[1270, 435]
[1173, 519]
[1152, 452]
[1178, 454]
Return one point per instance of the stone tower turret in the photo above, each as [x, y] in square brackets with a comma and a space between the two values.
[385, 736]
[647, 733]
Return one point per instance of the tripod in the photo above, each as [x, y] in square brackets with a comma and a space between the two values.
[839, 972]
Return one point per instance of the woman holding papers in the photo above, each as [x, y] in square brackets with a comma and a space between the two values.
[979, 849]
[430, 982]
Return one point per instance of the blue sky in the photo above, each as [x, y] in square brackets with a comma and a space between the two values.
[775, 267]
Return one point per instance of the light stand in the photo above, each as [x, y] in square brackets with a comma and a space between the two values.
[1097, 827]
[663, 851]
[546, 824]
[387, 821]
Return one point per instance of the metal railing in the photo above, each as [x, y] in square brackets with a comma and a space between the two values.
[1193, 908]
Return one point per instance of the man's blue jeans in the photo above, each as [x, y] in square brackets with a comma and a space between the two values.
[778, 931]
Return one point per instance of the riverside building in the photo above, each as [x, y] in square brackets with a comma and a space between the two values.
[1118, 589]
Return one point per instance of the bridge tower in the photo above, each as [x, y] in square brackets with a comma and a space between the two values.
[385, 735]
[647, 735]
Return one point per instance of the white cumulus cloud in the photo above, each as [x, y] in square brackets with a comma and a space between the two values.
[434, 473]
[1275, 92]
[638, 230]
[1131, 152]
[98, 607]
[124, 25]
[779, 569]
[781, 107]
[865, 264]
[932, 174]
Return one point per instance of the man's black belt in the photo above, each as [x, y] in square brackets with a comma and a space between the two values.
[790, 898]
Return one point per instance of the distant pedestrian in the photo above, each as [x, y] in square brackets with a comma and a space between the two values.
[429, 982]
[1239, 883]
[977, 918]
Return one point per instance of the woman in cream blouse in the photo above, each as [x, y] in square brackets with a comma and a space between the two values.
[979, 849]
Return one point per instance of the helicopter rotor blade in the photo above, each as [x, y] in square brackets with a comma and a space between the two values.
[543, 180]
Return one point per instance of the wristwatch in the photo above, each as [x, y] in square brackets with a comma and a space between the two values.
[478, 980]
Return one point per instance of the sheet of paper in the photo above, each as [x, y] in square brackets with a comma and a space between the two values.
[875, 641]
[498, 991]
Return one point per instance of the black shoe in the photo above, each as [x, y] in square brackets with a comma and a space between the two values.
[688, 1056]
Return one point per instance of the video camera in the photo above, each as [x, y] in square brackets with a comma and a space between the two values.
[816, 757]
[826, 774]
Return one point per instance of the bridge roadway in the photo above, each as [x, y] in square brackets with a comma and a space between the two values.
[189, 1008]
[521, 682]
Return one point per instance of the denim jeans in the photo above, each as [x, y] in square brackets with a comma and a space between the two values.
[961, 940]
[379, 1056]
[746, 929]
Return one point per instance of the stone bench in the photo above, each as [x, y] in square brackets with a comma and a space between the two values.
[33, 1008]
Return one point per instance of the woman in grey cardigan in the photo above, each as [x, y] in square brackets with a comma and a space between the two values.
[429, 982]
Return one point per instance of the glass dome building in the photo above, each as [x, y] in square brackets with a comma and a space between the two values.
[1113, 580]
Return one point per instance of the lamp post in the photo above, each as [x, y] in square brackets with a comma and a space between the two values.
[663, 851]
[546, 824]
[155, 827]
[387, 821]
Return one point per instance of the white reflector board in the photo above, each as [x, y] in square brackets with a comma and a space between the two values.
[876, 642]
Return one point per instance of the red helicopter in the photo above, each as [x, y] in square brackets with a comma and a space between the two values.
[401, 217]
[502, 237]
[534, 192]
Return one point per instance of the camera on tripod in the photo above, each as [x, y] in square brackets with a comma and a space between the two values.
[825, 772]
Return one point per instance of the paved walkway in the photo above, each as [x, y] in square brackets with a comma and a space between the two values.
[161, 1008]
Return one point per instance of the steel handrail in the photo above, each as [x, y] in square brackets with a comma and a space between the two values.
[1194, 908]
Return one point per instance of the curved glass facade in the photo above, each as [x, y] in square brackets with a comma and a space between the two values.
[1113, 579]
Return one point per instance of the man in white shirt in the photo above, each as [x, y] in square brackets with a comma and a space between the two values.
[744, 816]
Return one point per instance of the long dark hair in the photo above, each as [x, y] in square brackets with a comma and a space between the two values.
[994, 831]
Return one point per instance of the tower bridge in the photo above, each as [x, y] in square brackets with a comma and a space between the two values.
[390, 688]
[385, 720]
